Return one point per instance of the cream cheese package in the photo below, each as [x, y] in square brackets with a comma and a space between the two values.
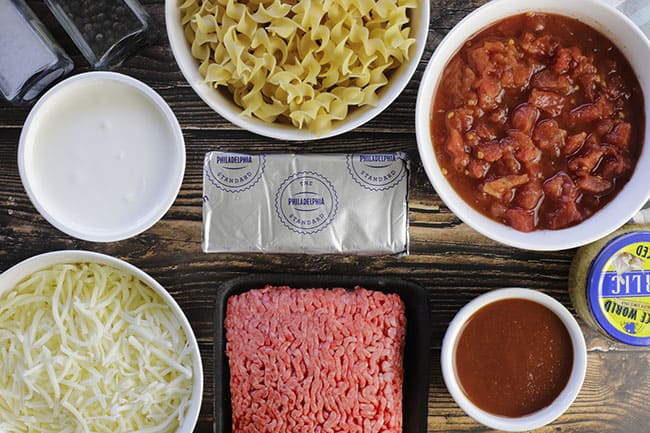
[313, 204]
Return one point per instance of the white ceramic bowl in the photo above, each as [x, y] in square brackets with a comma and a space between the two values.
[101, 156]
[17, 273]
[222, 103]
[632, 43]
[536, 419]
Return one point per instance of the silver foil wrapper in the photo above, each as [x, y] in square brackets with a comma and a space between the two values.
[313, 204]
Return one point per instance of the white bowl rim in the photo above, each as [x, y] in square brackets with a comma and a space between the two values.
[536, 419]
[387, 94]
[176, 177]
[541, 240]
[16, 273]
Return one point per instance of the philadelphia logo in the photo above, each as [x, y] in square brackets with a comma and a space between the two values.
[234, 172]
[306, 202]
[379, 171]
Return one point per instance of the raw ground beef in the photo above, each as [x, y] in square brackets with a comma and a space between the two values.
[315, 360]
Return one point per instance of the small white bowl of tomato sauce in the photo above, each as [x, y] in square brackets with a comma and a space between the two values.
[514, 359]
[531, 121]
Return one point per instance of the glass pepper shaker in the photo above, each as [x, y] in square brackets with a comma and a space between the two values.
[106, 31]
[30, 59]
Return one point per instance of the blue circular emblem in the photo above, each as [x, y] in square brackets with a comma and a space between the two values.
[234, 172]
[625, 288]
[378, 171]
[306, 202]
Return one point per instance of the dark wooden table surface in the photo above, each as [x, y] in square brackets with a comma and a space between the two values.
[453, 262]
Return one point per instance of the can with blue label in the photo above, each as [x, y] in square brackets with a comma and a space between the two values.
[609, 284]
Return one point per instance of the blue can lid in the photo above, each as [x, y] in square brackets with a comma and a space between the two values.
[618, 288]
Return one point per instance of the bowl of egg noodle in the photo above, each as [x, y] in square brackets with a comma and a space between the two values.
[94, 344]
[300, 71]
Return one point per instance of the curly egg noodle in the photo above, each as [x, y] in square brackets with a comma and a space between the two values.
[88, 348]
[307, 62]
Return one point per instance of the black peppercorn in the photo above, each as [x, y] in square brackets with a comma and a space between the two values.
[103, 30]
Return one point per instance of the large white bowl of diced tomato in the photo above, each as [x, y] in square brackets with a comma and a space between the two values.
[531, 121]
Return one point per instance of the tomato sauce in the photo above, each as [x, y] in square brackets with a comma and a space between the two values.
[513, 357]
[538, 121]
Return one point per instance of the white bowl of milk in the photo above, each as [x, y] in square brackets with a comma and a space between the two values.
[101, 156]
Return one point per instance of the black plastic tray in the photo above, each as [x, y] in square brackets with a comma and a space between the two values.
[417, 359]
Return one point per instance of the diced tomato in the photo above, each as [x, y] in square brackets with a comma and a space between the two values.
[497, 210]
[562, 62]
[543, 46]
[534, 170]
[620, 136]
[520, 219]
[489, 151]
[524, 118]
[485, 133]
[564, 193]
[528, 196]
[478, 168]
[551, 81]
[593, 111]
[510, 162]
[461, 79]
[587, 163]
[560, 187]
[594, 184]
[524, 149]
[490, 93]
[456, 148]
[574, 143]
[549, 137]
[565, 215]
[614, 167]
[500, 115]
[585, 65]
[615, 164]
[461, 119]
[586, 74]
[550, 102]
[521, 73]
[565, 59]
[588, 83]
[479, 60]
[507, 79]
[482, 58]
[604, 126]
[504, 187]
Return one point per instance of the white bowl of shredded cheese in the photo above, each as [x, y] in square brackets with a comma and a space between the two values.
[298, 70]
[90, 343]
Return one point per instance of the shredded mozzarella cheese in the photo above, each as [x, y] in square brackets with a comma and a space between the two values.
[88, 348]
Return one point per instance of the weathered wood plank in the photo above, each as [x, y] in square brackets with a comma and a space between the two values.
[453, 262]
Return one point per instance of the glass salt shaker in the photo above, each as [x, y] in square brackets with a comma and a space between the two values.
[106, 31]
[30, 59]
